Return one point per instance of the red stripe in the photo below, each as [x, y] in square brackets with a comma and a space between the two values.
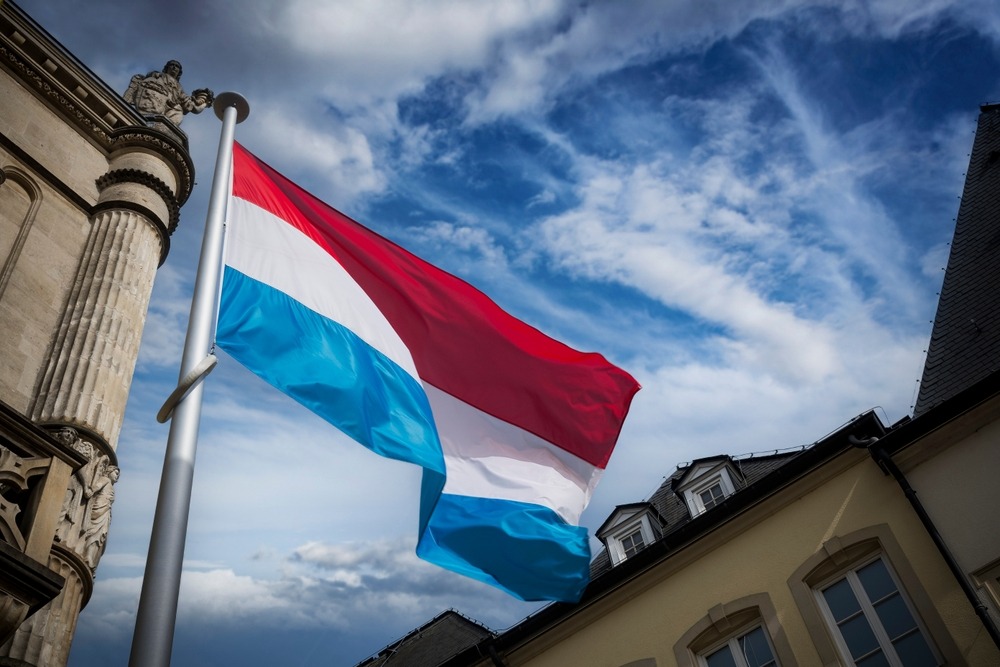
[461, 341]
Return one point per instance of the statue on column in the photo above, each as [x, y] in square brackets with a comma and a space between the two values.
[160, 93]
[101, 496]
[70, 526]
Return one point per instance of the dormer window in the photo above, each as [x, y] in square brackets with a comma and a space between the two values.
[706, 484]
[629, 530]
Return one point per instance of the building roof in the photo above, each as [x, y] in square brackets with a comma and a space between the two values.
[965, 341]
[673, 511]
[431, 644]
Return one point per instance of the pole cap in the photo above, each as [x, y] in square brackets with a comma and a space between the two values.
[225, 100]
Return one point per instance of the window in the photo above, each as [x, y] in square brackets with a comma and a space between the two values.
[632, 543]
[629, 530]
[709, 491]
[875, 625]
[741, 633]
[752, 649]
[712, 496]
[863, 604]
[706, 484]
[989, 579]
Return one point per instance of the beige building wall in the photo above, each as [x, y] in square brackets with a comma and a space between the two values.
[756, 555]
[42, 233]
[943, 468]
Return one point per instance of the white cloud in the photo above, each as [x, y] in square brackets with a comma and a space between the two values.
[336, 155]
[643, 230]
[389, 47]
[469, 238]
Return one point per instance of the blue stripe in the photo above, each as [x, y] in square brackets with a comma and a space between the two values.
[524, 549]
[328, 369]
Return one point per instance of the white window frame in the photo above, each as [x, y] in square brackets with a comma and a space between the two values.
[704, 482]
[613, 540]
[988, 579]
[871, 616]
[733, 643]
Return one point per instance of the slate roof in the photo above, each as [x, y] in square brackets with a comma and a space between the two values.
[673, 510]
[431, 644]
[965, 341]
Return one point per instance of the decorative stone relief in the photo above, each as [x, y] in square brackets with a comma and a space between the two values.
[69, 530]
[86, 510]
[15, 473]
[100, 497]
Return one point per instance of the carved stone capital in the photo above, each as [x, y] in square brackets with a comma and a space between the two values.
[163, 147]
[130, 189]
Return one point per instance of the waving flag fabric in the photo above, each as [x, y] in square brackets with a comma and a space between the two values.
[512, 428]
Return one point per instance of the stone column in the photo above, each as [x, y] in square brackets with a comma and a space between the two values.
[90, 366]
[88, 371]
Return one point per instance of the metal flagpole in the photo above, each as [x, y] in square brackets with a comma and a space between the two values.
[154, 624]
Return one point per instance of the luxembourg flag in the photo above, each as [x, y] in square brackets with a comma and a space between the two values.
[512, 428]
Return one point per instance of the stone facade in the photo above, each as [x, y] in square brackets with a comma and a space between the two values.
[90, 192]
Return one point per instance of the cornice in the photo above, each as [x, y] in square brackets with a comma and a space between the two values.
[83, 99]
[163, 145]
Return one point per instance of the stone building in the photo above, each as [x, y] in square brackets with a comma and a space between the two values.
[90, 191]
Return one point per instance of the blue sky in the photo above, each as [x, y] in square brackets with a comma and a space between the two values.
[746, 205]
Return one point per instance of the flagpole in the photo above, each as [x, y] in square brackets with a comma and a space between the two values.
[156, 617]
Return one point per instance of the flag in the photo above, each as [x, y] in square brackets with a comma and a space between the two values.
[512, 428]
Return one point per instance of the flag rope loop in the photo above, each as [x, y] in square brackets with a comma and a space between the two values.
[186, 384]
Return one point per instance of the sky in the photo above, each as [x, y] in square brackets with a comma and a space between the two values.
[745, 205]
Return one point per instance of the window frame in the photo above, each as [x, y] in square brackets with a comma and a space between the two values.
[716, 476]
[850, 574]
[733, 620]
[988, 580]
[639, 522]
[842, 552]
[732, 643]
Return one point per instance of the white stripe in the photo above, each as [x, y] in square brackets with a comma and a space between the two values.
[487, 457]
[266, 248]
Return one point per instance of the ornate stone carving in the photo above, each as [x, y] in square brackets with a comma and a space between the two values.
[100, 496]
[160, 93]
[37, 641]
[70, 528]
[151, 182]
[166, 144]
[152, 140]
[15, 474]
[30, 74]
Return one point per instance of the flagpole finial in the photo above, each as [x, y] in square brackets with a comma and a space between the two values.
[230, 99]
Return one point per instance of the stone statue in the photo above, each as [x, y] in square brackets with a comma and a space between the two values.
[101, 496]
[70, 527]
[161, 93]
